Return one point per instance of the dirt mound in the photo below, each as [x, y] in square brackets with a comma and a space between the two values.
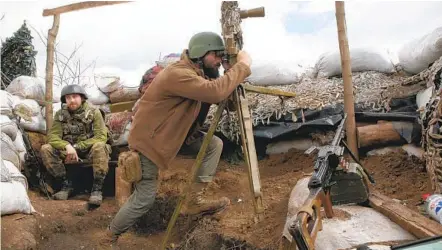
[400, 176]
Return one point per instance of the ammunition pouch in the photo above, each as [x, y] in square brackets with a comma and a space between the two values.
[130, 164]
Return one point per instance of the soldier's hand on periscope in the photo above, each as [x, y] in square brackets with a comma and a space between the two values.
[71, 154]
[244, 57]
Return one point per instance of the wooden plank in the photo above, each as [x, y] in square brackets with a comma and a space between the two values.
[380, 133]
[122, 106]
[413, 222]
[79, 6]
[52, 34]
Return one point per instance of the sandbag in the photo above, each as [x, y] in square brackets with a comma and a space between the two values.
[4, 172]
[94, 94]
[423, 97]
[8, 127]
[8, 150]
[14, 173]
[27, 108]
[32, 88]
[362, 59]
[36, 124]
[6, 103]
[274, 74]
[122, 139]
[20, 146]
[107, 83]
[418, 54]
[119, 125]
[124, 95]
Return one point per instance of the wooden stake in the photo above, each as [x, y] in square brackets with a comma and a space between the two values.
[347, 77]
[52, 34]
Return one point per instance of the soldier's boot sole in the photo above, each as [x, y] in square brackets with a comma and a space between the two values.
[206, 209]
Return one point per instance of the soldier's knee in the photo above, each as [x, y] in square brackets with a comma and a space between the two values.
[46, 148]
[99, 146]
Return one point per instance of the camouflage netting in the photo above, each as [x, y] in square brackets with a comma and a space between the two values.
[373, 91]
[432, 124]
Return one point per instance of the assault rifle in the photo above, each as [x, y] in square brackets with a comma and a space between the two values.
[350, 188]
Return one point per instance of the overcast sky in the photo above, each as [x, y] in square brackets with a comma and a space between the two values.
[127, 39]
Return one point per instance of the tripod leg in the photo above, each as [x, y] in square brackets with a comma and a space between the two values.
[249, 149]
[194, 170]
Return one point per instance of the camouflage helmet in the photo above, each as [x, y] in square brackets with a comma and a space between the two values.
[203, 42]
[72, 89]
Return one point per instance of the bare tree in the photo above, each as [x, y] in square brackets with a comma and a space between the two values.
[69, 68]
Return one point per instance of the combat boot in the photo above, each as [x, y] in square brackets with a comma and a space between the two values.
[96, 195]
[197, 204]
[66, 190]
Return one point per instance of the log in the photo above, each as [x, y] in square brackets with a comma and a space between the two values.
[415, 223]
[380, 133]
[79, 6]
[52, 34]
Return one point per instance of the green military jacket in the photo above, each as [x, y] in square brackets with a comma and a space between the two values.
[83, 127]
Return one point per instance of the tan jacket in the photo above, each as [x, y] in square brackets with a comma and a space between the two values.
[168, 108]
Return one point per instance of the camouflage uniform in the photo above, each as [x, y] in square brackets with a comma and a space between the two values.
[86, 131]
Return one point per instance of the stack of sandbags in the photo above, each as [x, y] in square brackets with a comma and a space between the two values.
[13, 146]
[362, 59]
[418, 54]
[14, 197]
[94, 94]
[32, 88]
[115, 88]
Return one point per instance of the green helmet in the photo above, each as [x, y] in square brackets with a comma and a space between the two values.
[72, 89]
[203, 42]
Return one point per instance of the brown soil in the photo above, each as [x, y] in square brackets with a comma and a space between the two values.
[400, 176]
[69, 225]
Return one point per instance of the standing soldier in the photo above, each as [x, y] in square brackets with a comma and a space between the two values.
[78, 132]
[169, 117]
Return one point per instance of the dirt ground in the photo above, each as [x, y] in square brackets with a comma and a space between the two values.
[68, 225]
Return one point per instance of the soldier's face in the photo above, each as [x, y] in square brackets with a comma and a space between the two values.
[212, 60]
[73, 101]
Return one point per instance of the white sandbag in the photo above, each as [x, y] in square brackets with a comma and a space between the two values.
[27, 106]
[14, 198]
[8, 150]
[8, 127]
[275, 74]
[27, 87]
[4, 172]
[107, 83]
[362, 59]
[19, 145]
[122, 140]
[15, 174]
[94, 94]
[361, 225]
[37, 124]
[6, 103]
[418, 54]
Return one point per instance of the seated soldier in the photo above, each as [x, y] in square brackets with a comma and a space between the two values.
[78, 132]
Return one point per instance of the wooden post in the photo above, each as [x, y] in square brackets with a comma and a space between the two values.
[346, 76]
[52, 34]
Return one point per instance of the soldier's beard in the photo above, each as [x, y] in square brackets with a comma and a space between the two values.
[211, 72]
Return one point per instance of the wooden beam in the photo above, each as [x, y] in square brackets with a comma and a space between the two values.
[413, 222]
[79, 6]
[350, 124]
[52, 34]
[381, 133]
